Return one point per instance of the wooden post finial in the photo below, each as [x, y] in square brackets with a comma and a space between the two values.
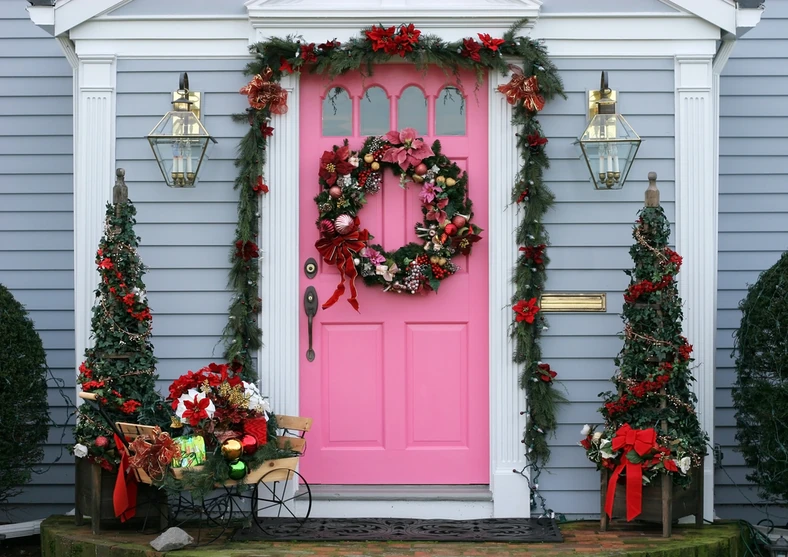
[120, 192]
[652, 193]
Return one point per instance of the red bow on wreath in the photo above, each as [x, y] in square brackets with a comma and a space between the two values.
[523, 88]
[641, 441]
[340, 251]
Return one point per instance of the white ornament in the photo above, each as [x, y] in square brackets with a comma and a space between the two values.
[684, 464]
[357, 261]
[80, 450]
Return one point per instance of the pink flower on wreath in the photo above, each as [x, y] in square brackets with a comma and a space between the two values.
[428, 192]
[436, 211]
[373, 255]
[411, 152]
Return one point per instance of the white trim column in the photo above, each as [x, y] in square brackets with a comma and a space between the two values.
[511, 495]
[282, 300]
[696, 233]
[94, 175]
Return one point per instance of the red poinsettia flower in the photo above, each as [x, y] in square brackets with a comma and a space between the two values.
[106, 263]
[380, 37]
[99, 253]
[489, 42]
[335, 163]
[685, 350]
[267, 131]
[285, 65]
[130, 406]
[435, 212]
[534, 253]
[404, 41]
[536, 140]
[329, 45]
[526, 310]
[246, 250]
[260, 186]
[463, 244]
[470, 49]
[92, 385]
[545, 373]
[670, 465]
[407, 149]
[129, 299]
[196, 409]
[308, 55]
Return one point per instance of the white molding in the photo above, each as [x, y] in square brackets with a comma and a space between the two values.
[721, 13]
[71, 13]
[43, 16]
[696, 233]
[279, 359]
[94, 158]
[507, 401]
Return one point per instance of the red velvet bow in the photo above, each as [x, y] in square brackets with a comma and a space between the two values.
[124, 496]
[641, 441]
[339, 251]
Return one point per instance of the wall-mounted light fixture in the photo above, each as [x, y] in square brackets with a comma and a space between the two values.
[608, 144]
[779, 548]
[180, 141]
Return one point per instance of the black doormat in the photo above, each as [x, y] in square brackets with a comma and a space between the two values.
[525, 530]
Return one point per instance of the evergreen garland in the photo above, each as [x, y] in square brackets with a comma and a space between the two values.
[276, 57]
[760, 394]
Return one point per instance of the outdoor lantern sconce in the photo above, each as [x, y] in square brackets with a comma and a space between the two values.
[179, 141]
[779, 548]
[609, 144]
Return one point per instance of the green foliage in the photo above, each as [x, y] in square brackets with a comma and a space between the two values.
[120, 367]
[24, 414]
[653, 382]
[760, 394]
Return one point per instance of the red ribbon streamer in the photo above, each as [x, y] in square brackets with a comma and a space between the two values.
[124, 496]
[641, 441]
[339, 251]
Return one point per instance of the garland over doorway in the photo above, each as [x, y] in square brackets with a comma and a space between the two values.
[534, 81]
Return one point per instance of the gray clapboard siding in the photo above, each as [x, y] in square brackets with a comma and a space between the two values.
[36, 223]
[753, 218]
[591, 233]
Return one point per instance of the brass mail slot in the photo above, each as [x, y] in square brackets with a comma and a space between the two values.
[570, 301]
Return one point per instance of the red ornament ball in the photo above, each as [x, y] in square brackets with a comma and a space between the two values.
[450, 229]
[326, 227]
[344, 224]
[421, 169]
[249, 444]
[335, 192]
[459, 221]
[101, 441]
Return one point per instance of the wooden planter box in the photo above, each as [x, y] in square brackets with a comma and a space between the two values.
[663, 502]
[93, 498]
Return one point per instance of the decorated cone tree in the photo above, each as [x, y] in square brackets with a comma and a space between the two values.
[651, 426]
[119, 367]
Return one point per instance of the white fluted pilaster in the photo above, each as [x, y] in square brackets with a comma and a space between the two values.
[696, 233]
[510, 491]
[94, 175]
[279, 357]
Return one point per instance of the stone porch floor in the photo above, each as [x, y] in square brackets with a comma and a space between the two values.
[61, 538]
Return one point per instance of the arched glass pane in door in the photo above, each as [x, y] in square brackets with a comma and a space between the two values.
[337, 113]
[412, 110]
[450, 112]
[374, 112]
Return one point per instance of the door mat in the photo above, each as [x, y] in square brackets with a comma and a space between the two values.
[525, 530]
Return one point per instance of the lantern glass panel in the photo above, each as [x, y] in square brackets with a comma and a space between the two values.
[609, 145]
[179, 142]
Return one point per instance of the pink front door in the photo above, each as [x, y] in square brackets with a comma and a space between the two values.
[399, 391]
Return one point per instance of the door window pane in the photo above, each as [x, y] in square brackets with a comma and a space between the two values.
[374, 112]
[412, 110]
[450, 112]
[337, 113]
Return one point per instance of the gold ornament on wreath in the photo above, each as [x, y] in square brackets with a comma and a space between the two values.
[348, 177]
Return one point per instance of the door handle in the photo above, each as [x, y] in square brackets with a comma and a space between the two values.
[310, 307]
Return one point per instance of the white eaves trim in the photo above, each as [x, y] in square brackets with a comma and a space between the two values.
[70, 13]
[721, 13]
[43, 17]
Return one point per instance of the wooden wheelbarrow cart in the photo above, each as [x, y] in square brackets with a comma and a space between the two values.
[274, 489]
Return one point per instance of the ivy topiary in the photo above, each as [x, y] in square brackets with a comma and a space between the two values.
[760, 394]
[24, 413]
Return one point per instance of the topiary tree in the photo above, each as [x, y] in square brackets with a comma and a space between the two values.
[24, 413]
[760, 394]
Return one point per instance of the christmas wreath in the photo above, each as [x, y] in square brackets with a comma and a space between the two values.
[347, 177]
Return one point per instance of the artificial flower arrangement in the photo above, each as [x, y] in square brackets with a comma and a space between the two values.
[347, 177]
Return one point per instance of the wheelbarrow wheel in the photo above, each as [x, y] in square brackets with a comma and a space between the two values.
[284, 501]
